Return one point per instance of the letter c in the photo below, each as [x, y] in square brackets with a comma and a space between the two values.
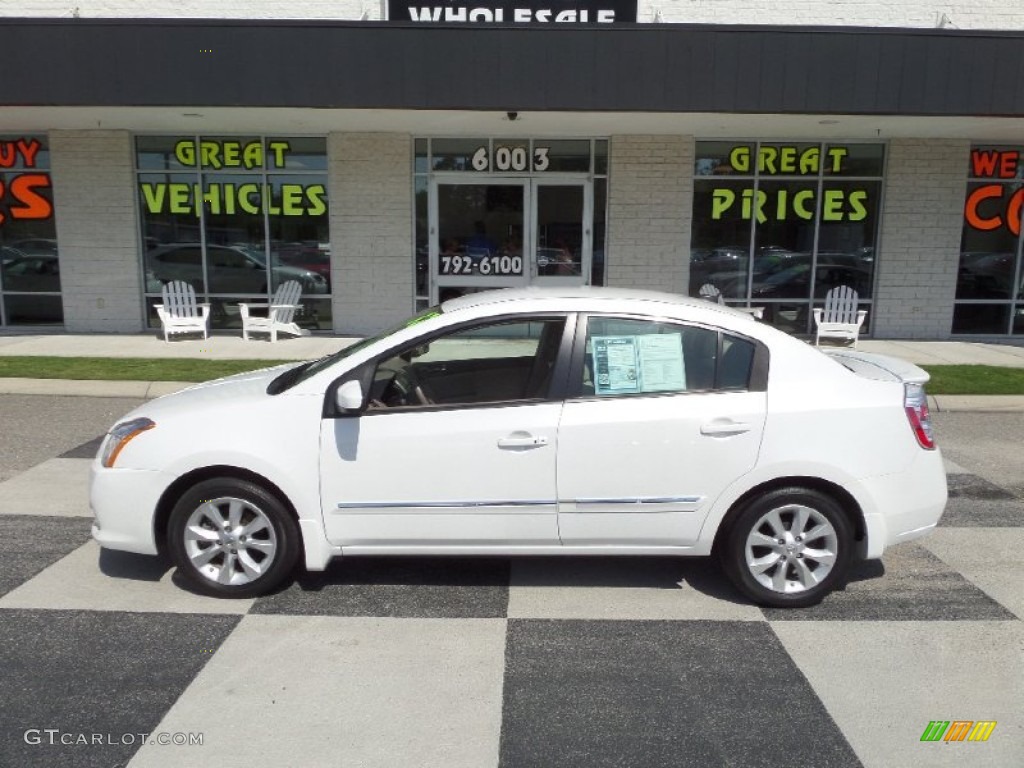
[974, 200]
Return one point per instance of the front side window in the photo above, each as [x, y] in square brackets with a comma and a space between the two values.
[236, 216]
[29, 263]
[626, 357]
[778, 225]
[496, 362]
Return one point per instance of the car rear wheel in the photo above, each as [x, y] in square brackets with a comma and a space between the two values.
[232, 538]
[788, 548]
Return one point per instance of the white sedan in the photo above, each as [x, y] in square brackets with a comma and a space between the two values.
[535, 422]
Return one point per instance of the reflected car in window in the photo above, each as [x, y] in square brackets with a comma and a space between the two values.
[794, 282]
[311, 257]
[32, 273]
[230, 269]
[535, 422]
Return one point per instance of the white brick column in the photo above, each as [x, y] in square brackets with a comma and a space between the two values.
[371, 230]
[97, 230]
[919, 252]
[650, 204]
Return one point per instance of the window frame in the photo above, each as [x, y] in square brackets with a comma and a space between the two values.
[365, 371]
[757, 381]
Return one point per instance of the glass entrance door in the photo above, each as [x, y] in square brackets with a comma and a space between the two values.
[477, 233]
[561, 242]
[507, 233]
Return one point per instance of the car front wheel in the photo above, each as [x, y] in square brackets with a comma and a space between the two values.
[788, 548]
[232, 538]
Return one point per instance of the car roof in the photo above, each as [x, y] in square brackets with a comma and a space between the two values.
[598, 296]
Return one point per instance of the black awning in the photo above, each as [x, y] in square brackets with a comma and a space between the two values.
[635, 68]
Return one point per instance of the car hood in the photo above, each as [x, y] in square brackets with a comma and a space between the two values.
[880, 367]
[285, 270]
[229, 390]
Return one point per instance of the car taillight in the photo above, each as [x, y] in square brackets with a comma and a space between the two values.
[915, 403]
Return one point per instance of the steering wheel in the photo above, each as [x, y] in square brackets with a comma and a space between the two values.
[409, 387]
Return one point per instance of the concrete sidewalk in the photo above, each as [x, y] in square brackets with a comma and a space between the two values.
[227, 347]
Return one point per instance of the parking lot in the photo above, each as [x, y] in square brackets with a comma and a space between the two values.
[484, 662]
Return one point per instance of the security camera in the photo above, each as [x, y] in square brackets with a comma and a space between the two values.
[513, 116]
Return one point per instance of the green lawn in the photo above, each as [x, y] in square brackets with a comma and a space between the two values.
[974, 380]
[127, 368]
[946, 379]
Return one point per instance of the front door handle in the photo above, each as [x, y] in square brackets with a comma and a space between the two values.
[521, 440]
[725, 428]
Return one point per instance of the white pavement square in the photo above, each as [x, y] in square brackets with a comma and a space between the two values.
[56, 488]
[114, 581]
[324, 691]
[962, 670]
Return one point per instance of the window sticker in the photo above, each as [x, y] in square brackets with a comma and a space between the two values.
[636, 364]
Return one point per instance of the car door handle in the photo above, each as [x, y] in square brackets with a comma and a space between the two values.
[725, 428]
[522, 441]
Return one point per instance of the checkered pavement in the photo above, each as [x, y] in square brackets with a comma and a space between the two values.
[477, 662]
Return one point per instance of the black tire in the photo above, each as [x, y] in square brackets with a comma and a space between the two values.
[803, 578]
[271, 547]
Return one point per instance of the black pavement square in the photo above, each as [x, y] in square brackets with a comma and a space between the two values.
[95, 672]
[970, 486]
[660, 693]
[908, 584]
[30, 543]
[974, 502]
[86, 450]
[404, 587]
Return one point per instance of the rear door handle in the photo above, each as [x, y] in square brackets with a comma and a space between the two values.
[725, 428]
[520, 440]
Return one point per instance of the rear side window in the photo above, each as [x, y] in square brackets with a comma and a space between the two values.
[736, 363]
[627, 357]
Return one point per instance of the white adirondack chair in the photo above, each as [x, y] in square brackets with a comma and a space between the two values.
[710, 292]
[180, 313]
[840, 318]
[280, 313]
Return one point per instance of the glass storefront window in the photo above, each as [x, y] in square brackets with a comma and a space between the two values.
[453, 154]
[239, 216]
[30, 287]
[773, 227]
[990, 279]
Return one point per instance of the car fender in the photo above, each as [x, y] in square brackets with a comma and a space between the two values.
[301, 489]
[763, 475]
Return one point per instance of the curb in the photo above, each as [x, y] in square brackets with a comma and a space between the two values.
[977, 403]
[92, 388]
[150, 389]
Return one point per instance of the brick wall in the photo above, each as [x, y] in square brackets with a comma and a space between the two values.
[650, 182]
[197, 9]
[920, 241]
[371, 230]
[97, 230]
[981, 14]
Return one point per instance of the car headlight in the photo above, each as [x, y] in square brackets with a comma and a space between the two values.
[120, 435]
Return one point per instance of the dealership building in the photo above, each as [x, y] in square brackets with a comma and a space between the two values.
[388, 155]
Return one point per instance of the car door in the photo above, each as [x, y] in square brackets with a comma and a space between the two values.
[661, 417]
[457, 444]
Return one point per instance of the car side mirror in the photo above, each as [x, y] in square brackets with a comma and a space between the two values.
[349, 397]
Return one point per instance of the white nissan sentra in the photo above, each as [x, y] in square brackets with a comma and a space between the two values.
[535, 422]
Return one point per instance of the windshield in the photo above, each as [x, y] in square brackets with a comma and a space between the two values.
[308, 370]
